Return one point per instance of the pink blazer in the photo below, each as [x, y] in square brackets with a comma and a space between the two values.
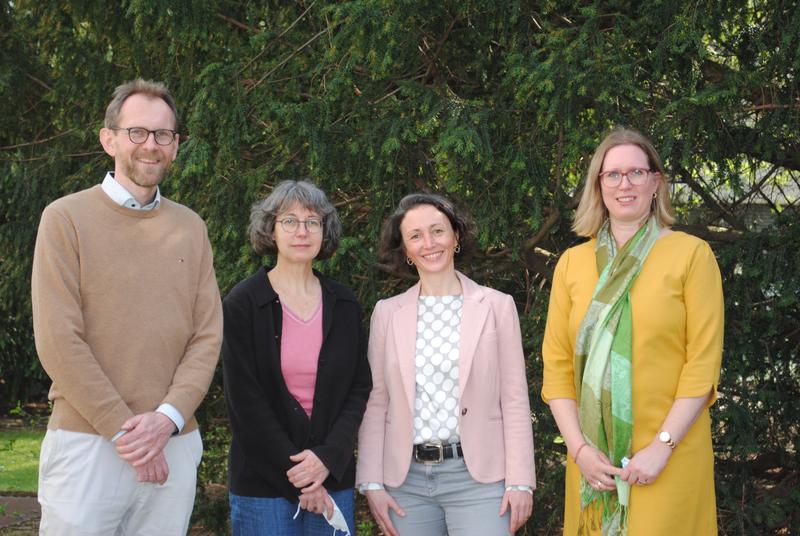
[495, 419]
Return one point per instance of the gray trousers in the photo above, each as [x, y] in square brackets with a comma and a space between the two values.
[443, 499]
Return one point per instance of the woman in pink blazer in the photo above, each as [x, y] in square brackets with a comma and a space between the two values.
[445, 446]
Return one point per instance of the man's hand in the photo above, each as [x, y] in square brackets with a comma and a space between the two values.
[309, 473]
[156, 470]
[147, 433]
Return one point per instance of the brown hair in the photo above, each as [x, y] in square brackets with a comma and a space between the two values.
[591, 212]
[145, 87]
[392, 252]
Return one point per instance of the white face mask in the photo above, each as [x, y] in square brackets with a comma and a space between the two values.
[337, 521]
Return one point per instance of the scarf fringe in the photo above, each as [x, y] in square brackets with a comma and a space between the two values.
[601, 511]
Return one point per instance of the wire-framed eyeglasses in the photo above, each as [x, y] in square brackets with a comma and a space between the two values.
[290, 225]
[636, 176]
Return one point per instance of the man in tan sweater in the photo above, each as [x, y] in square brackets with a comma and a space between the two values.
[128, 322]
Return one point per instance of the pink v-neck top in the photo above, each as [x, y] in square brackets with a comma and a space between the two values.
[301, 341]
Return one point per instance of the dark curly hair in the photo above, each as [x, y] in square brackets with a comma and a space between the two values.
[392, 252]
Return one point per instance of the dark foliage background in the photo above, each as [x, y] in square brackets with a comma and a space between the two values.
[497, 104]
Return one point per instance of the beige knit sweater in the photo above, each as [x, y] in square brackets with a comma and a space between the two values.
[126, 310]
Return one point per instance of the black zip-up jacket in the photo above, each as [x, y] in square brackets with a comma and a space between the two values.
[268, 424]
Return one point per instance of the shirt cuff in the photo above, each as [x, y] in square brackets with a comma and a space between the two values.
[520, 488]
[173, 414]
[118, 435]
[369, 486]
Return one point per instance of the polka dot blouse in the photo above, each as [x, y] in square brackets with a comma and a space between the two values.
[438, 336]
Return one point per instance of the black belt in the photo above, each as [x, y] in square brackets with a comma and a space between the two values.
[431, 453]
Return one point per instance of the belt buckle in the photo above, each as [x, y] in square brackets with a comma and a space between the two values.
[438, 447]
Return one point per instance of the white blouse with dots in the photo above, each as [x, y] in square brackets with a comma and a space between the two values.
[438, 334]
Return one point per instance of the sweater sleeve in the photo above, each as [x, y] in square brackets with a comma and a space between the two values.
[254, 424]
[59, 329]
[558, 347]
[336, 452]
[196, 369]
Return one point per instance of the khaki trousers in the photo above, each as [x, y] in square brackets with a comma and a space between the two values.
[86, 489]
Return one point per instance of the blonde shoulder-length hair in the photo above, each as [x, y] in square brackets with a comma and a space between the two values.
[592, 212]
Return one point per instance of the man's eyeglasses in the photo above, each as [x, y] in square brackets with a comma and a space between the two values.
[290, 225]
[636, 176]
[139, 135]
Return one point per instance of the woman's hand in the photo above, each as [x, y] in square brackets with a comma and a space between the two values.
[521, 504]
[317, 501]
[309, 473]
[597, 469]
[379, 503]
[647, 464]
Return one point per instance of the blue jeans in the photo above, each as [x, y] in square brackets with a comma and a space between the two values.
[272, 516]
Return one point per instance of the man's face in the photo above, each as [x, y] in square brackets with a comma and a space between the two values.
[140, 165]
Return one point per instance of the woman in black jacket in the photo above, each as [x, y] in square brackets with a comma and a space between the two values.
[296, 374]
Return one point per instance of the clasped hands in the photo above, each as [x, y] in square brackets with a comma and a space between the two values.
[643, 468]
[143, 443]
[308, 475]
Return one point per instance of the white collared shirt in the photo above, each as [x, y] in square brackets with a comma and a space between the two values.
[121, 196]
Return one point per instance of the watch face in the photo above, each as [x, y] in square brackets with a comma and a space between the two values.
[664, 436]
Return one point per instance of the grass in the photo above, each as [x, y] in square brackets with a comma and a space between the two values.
[19, 459]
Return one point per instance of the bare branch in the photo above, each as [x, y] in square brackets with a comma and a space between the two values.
[37, 142]
[284, 32]
[286, 59]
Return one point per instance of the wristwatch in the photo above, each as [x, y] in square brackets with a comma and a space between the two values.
[664, 437]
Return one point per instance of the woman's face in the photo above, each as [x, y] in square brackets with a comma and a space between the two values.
[302, 244]
[428, 240]
[627, 202]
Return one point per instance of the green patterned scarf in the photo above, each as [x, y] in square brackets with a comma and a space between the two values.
[603, 371]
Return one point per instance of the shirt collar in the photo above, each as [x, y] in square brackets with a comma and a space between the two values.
[123, 197]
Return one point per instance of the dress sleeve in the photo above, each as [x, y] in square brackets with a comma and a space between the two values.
[705, 312]
[558, 346]
[372, 434]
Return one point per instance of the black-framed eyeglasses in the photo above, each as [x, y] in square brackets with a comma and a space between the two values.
[636, 176]
[139, 135]
[290, 225]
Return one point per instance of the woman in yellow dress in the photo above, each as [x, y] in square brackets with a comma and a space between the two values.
[632, 353]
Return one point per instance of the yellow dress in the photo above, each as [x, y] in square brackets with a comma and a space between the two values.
[677, 349]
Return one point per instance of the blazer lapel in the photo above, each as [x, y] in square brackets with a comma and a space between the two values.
[473, 316]
[404, 328]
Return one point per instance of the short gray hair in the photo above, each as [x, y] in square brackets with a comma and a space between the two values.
[283, 196]
[150, 88]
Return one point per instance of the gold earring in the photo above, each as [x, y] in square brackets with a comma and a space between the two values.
[457, 249]
[409, 261]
